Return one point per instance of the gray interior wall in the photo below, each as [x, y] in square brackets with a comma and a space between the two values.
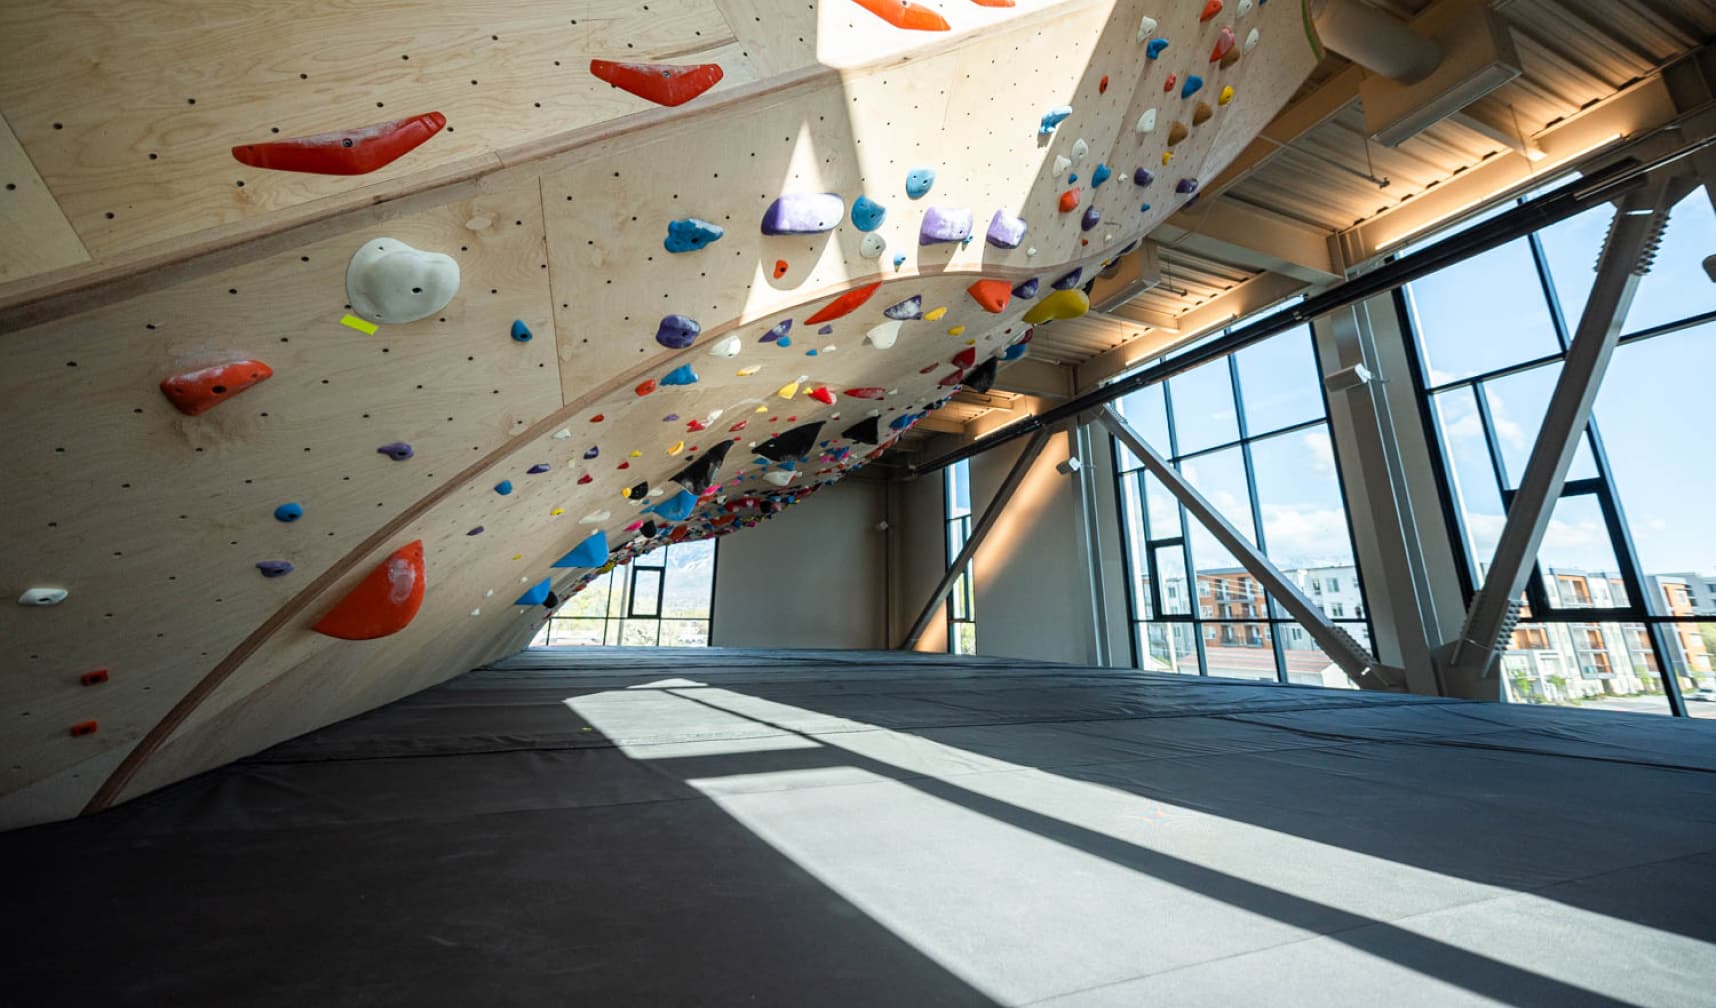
[810, 577]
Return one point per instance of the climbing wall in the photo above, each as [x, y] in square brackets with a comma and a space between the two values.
[414, 382]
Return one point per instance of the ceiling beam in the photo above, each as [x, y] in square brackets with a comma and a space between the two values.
[1298, 118]
[1027, 376]
[1229, 231]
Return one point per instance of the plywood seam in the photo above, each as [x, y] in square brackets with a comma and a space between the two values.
[70, 231]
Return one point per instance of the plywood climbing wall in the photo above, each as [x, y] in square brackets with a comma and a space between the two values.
[599, 385]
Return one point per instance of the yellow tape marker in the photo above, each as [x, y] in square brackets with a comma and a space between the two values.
[364, 326]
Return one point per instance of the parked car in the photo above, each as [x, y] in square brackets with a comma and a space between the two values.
[1707, 694]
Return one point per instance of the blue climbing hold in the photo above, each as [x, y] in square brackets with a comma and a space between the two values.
[592, 451]
[681, 375]
[1072, 178]
[1193, 85]
[1054, 117]
[1142, 177]
[899, 260]
[1071, 280]
[918, 182]
[476, 531]
[867, 214]
[676, 332]
[537, 594]
[691, 234]
[825, 330]
[504, 487]
[1144, 208]
[910, 308]
[398, 451]
[1026, 289]
[1154, 47]
[1013, 352]
[804, 213]
[1099, 176]
[289, 512]
[1092, 217]
[781, 329]
[520, 331]
[784, 341]
[676, 508]
[592, 552]
[537, 469]
[274, 568]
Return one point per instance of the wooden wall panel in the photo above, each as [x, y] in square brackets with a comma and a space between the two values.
[34, 234]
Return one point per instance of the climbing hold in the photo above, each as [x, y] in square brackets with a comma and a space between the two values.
[1102, 85]
[1147, 121]
[520, 332]
[1054, 117]
[194, 392]
[1230, 59]
[1202, 113]
[85, 728]
[384, 602]
[783, 341]
[681, 375]
[866, 392]
[790, 444]
[1142, 177]
[982, 378]
[905, 14]
[676, 508]
[992, 295]
[1059, 305]
[1014, 352]
[691, 234]
[43, 596]
[944, 224]
[644, 387]
[779, 477]
[746, 372]
[777, 332]
[662, 83]
[1005, 230]
[1069, 280]
[899, 260]
[638, 492]
[822, 395]
[353, 152]
[274, 568]
[1193, 85]
[804, 213]
[935, 314]
[1168, 84]
[597, 418]
[1073, 177]
[389, 281]
[1224, 44]
[697, 476]
[727, 346]
[1099, 176]
[1211, 9]
[537, 469]
[843, 305]
[910, 308]
[866, 431]
[592, 552]
[1069, 201]
[883, 336]
[918, 182]
[867, 214]
[479, 529]
[289, 512]
[1225, 96]
[1092, 217]
[676, 332]
[965, 358]
[1186, 186]
[1251, 40]
[504, 487]
[586, 478]
[1244, 8]
[595, 517]
[94, 677]
[537, 594]
[788, 390]
[1177, 132]
[1146, 27]
[871, 246]
[780, 268]
[398, 451]
[1154, 49]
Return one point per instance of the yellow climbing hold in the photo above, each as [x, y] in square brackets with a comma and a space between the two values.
[761, 409]
[970, 342]
[518, 556]
[364, 326]
[956, 330]
[558, 511]
[1225, 96]
[637, 454]
[1059, 305]
[746, 372]
[678, 446]
[788, 390]
[1167, 156]
[935, 313]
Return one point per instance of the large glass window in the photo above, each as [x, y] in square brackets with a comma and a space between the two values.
[1250, 432]
[1616, 613]
[961, 611]
[660, 599]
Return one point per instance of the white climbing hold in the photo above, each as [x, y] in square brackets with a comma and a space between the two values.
[1251, 40]
[489, 594]
[714, 415]
[1062, 163]
[43, 596]
[1244, 8]
[594, 517]
[872, 245]
[476, 612]
[1146, 28]
[883, 336]
[780, 477]
[1080, 149]
[1031, 252]
[656, 492]
[1147, 121]
[389, 281]
[727, 347]
[563, 433]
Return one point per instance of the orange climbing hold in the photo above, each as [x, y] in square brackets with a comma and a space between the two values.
[350, 152]
[662, 83]
[645, 387]
[993, 3]
[199, 391]
[993, 295]
[1102, 85]
[780, 268]
[1211, 9]
[845, 304]
[85, 728]
[384, 602]
[1069, 201]
[905, 14]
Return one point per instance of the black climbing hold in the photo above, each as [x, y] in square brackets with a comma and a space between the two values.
[639, 492]
[791, 444]
[697, 476]
[592, 452]
[982, 377]
[867, 431]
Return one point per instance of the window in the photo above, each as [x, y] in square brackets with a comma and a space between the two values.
[961, 610]
[1250, 432]
[1335, 610]
[1611, 620]
[660, 599]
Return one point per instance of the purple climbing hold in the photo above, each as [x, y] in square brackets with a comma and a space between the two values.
[677, 332]
[1142, 177]
[538, 469]
[1026, 289]
[1186, 186]
[825, 330]
[1069, 281]
[1092, 217]
[1005, 230]
[781, 329]
[592, 452]
[398, 451]
[944, 224]
[804, 213]
[476, 531]
[274, 568]
[910, 308]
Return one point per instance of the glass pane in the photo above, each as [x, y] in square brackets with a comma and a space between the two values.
[1517, 404]
[646, 592]
[1164, 510]
[636, 632]
[577, 632]
[1484, 313]
[1137, 562]
[1472, 475]
[1239, 650]
[1278, 382]
[1146, 411]
[1307, 665]
[1677, 285]
[690, 580]
[1229, 594]
[1220, 477]
[959, 596]
[958, 489]
[684, 633]
[1305, 529]
[1572, 247]
[1650, 413]
[965, 638]
[1692, 656]
[1603, 666]
[1203, 408]
[1577, 560]
[1171, 575]
[592, 601]
[1169, 647]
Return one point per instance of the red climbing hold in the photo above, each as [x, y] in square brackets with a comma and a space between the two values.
[822, 395]
[645, 387]
[867, 392]
[1069, 201]
[843, 305]
[384, 602]
[993, 3]
[584, 479]
[1211, 9]
[94, 677]
[780, 268]
[741, 425]
[965, 358]
[953, 378]
[1102, 85]
[1224, 44]
[350, 152]
[993, 295]
[199, 391]
[694, 426]
[905, 14]
[662, 83]
[84, 728]
[598, 418]
[1168, 85]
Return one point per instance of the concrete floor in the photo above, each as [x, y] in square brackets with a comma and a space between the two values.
[719, 827]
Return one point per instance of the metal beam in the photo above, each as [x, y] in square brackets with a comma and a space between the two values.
[1298, 118]
[1640, 217]
[1042, 379]
[1339, 645]
[1243, 235]
[979, 532]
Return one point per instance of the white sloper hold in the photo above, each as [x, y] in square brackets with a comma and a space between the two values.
[388, 281]
[1080, 149]
[726, 347]
[595, 517]
[883, 336]
[1062, 163]
[779, 477]
[1251, 39]
[1147, 121]
[1146, 28]
[1244, 8]
[43, 596]
[872, 245]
